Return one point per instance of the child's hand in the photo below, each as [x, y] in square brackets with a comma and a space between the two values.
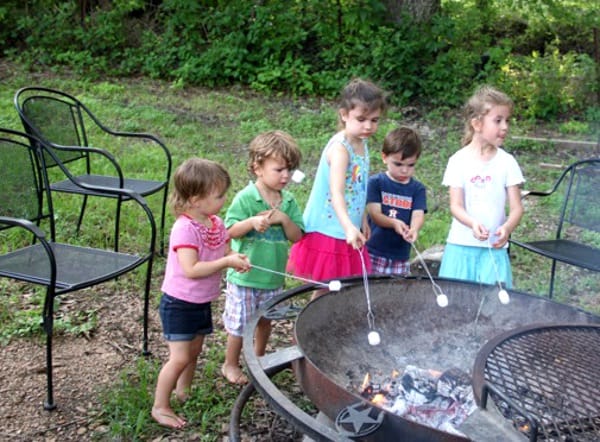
[276, 216]
[479, 231]
[401, 228]
[501, 237]
[260, 222]
[411, 235]
[239, 262]
[355, 238]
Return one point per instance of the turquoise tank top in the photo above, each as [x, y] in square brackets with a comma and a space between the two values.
[319, 215]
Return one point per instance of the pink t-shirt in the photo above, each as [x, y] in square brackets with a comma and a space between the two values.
[211, 245]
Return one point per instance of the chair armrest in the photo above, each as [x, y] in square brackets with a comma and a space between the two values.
[24, 223]
[141, 135]
[527, 193]
[98, 151]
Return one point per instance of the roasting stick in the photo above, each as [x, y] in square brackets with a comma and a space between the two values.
[373, 337]
[333, 285]
[441, 298]
[502, 294]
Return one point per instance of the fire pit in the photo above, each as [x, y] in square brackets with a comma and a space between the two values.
[333, 353]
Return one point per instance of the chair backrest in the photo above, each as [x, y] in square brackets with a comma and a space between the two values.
[22, 194]
[55, 117]
[582, 201]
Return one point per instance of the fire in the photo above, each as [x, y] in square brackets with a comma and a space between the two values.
[366, 382]
[379, 399]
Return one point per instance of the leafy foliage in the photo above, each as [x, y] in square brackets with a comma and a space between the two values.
[310, 47]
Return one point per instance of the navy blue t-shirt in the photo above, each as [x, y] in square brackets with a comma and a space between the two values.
[397, 201]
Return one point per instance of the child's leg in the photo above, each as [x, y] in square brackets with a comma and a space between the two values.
[231, 369]
[185, 378]
[179, 353]
[317, 293]
[263, 331]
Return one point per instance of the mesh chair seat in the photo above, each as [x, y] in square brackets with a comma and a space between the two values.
[143, 187]
[567, 251]
[76, 267]
[578, 220]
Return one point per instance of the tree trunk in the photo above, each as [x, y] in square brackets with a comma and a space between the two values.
[420, 10]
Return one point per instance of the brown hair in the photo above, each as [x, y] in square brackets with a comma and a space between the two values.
[274, 144]
[359, 92]
[196, 177]
[480, 103]
[402, 140]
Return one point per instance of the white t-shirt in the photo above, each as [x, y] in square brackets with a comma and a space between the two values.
[484, 186]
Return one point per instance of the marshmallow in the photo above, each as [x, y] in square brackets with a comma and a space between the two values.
[374, 338]
[442, 300]
[335, 285]
[298, 176]
[503, 296]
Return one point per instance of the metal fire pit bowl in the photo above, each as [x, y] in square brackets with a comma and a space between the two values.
[332, 349]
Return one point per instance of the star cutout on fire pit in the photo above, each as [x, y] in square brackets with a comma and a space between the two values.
[356, 420]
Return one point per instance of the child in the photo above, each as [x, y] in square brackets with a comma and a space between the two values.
[334, 216]
[262, 219]
[482, 177]
[396, 204]
[198, 252]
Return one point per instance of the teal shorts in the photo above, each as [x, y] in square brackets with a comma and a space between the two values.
[478, 264]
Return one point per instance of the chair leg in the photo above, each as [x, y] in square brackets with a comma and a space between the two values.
[145, 350]
[552, 271]
[80, 220]
[117, 223]
[48, 325]
[161, 250]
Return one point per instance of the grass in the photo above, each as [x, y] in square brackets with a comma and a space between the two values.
[219, 124]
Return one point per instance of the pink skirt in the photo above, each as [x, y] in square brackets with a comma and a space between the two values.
[320, 257]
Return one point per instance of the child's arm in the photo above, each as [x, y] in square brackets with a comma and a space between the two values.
[457, 208]
[385, 221]
[417, 219]
[194, 268]
[290, 228]
[338, 160]
[515, 212]
[259, 222]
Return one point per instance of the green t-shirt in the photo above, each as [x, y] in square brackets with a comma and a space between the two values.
[269, 249]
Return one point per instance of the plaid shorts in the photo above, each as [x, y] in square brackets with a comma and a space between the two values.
[241, 303]
[387, 266]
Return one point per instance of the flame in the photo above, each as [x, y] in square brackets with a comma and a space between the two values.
[379, 399]
[366, 382]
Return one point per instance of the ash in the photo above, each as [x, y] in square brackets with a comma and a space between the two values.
[441, 400]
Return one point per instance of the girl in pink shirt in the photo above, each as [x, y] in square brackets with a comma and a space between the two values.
[198, 252]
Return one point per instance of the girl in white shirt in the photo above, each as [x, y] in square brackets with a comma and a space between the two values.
[483, 180]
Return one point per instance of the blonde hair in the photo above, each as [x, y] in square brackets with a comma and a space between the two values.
[196, 177]
[480, 103]
[274, 144]
[359, 92]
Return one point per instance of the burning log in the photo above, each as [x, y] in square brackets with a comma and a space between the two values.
[441, 400]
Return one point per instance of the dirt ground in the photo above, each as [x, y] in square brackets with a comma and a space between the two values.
[82, 366]
[87, 365]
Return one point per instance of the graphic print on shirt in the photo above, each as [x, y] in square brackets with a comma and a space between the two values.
[479, 185]
[395, 202]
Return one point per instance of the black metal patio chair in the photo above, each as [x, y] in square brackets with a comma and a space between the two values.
[576, 241]
[89, 147]
[30, 255]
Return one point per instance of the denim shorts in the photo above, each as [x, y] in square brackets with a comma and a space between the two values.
[182, 320]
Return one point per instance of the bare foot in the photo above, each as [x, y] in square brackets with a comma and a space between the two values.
[234, 374]
[167, 418]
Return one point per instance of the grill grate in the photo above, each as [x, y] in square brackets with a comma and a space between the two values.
[548, 374]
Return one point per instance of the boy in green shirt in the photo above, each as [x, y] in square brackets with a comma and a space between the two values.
[262, 220]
